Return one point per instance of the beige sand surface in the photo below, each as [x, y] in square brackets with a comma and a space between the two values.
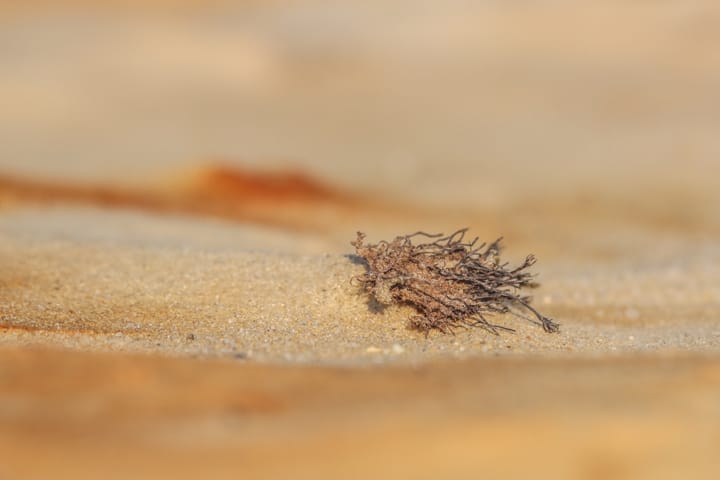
[262, 360]
[179, 187]
[124, 281]
[73, 415]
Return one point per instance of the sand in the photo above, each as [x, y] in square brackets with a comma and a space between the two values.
[151, 416]
[189, 346]
[210, 295]
[178, 197]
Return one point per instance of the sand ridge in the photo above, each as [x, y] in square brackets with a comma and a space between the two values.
[288, 307]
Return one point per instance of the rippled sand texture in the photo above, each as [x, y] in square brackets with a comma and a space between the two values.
[180, 181]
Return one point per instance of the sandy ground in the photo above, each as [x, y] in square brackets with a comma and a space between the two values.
[177, 198]
[116, 416]
[126, 284]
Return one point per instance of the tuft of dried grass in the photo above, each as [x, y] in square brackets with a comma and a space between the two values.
[450, 282]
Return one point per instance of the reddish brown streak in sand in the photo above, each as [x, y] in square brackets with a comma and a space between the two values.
[216, 191]
[280, 187]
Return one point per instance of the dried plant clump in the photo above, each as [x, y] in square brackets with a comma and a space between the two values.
[451, 283]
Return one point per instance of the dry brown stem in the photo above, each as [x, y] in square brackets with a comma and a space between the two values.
[451, 283]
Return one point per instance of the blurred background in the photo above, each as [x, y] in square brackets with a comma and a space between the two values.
[586, 127]
[448, 102]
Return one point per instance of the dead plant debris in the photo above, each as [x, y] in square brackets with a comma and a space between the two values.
[451, 283]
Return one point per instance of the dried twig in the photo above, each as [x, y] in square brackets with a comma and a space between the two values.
[449, 281]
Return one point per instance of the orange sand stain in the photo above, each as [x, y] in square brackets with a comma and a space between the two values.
[228, 183]
[280, 199]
